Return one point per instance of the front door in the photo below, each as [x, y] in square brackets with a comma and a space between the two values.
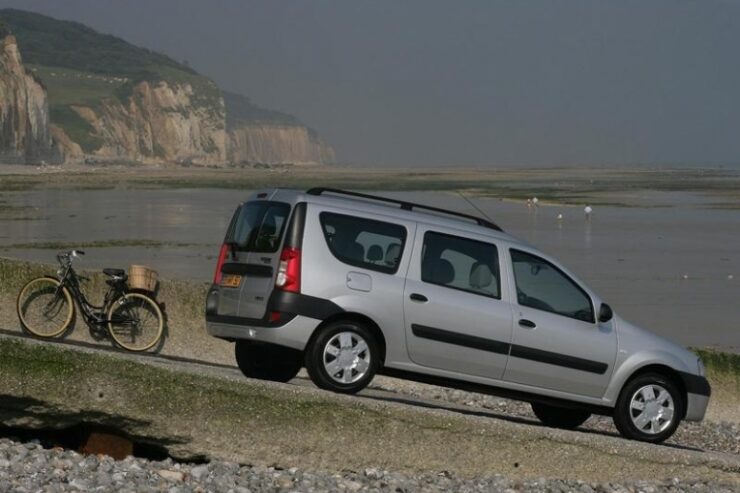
[557, 343]
[454, 315]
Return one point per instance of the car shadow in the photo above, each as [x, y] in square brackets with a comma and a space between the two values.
[506, 417]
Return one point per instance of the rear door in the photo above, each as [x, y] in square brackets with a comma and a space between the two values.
[250, 268]
[456, 319]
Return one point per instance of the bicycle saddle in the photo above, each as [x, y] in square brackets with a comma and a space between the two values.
[114, 272]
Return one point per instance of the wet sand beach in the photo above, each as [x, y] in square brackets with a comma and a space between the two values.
[668, 259]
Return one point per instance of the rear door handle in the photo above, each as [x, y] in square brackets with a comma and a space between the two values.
[527, 323]
[419, 297]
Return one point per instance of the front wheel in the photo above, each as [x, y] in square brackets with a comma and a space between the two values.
[135, 322]
[45, 309]
[649, 408]
[560, 417]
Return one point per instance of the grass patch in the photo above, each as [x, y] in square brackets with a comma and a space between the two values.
[67, 86]
[77, 128]
[720, 363]
[163, 390]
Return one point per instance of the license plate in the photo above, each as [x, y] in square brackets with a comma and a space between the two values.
[231, 281]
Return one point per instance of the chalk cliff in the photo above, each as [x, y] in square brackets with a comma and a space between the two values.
[87, 97]
[24, 111]
[158, 122]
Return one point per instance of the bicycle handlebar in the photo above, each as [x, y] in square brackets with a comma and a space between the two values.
[68, 256]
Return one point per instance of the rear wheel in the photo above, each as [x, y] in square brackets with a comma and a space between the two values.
[44, 308]
[135, 322]
[267, 362]
[343, 357]
[560, 417]
[649, 408]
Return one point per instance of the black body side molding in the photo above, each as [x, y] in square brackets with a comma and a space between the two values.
[513, 350]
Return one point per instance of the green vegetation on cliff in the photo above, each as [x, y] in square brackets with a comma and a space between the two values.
[241, 110]
[55, 43]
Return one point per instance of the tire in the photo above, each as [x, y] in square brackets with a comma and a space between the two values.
[639, 417]
[135, 322]
[343, 357]
[43, 310]
[560, 417]
[267, 361]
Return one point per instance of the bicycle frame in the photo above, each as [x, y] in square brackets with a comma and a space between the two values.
[94, 316]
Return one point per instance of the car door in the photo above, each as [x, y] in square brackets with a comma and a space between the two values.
[557, 343]
[455, 319]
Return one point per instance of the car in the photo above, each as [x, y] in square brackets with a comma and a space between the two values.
[351, 285]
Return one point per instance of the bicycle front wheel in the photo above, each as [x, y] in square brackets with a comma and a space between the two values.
[135, 322]
[44, 308]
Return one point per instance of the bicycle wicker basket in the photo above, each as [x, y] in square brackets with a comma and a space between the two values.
[142, 277]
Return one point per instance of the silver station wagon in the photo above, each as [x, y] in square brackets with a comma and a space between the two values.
[350, 285]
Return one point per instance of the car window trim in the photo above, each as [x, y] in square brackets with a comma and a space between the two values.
[498, 260]
[558, 269]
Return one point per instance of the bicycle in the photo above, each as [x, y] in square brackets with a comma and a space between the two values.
[46, 307]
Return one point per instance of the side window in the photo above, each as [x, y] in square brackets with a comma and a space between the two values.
[366, 243]
[461, 263]
[541, 285]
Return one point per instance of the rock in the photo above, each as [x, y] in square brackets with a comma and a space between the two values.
[171, 475]
[199, 472]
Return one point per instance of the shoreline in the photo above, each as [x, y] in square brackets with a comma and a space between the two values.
[716, 187]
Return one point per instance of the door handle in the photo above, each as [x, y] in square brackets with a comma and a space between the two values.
[419, 297]
[527, 323]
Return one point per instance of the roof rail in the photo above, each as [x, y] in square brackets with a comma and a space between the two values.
[408, 206]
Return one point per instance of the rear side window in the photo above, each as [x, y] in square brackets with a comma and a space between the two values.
[259, 226]
[461, 263]
[366, 243]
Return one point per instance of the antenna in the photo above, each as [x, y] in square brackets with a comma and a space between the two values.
[473, 205]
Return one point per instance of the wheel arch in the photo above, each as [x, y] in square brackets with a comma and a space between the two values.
[670, 373]
[368, 322]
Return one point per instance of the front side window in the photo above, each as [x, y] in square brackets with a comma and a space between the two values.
[461, 263]
[259, 226]
[367, 243]
[541, 285]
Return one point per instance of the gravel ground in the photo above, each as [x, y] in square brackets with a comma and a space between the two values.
[30, 468]
[704, 435]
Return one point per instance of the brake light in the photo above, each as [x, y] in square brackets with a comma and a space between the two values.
[221, 259]
[289, 271]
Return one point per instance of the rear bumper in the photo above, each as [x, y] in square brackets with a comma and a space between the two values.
[294, 334]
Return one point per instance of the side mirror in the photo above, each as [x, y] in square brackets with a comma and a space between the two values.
[605, 313]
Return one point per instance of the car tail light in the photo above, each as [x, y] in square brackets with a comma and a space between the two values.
[289, 271]
[221, 259]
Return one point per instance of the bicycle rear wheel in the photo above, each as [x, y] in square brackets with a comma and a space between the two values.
[135, 322]
[44, 309]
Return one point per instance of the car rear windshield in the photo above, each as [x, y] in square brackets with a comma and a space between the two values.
[259, 226]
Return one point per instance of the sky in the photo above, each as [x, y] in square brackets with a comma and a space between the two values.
[464, 83]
